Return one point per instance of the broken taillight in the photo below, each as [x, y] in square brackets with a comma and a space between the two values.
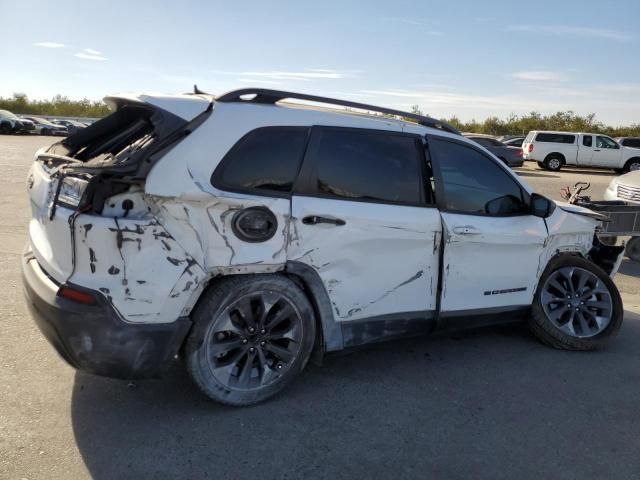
[76, 295]
[530, 147]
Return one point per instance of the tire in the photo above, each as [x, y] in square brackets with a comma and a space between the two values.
[632, 251]
[5, 128]
[590, 334]
[222, 340]
[632, 165]
[541, 165]
[553, 163]
[45, 131]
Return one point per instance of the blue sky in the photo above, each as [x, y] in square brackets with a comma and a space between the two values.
[466, 58]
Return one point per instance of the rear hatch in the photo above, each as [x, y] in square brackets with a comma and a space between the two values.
[111, 156]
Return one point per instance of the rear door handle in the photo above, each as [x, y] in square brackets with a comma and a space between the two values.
[316, 219]
[466, 230]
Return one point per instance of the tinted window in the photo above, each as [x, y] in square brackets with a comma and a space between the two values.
[587, 140]
[473, 183]
[265, 159]
[555, 138]
[367, 166]
[605, 142]
[631, 142]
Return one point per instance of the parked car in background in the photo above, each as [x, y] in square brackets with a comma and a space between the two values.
[633, 142]
[45, 127]
[27, 125]
[511, 156]
[626, 188]
[513, 141]
[10, 123]
[71, 125]
[553, 150]
[314, 230]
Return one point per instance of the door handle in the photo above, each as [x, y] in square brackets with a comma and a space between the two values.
[466, 230]
[316, 219]
[596, 149]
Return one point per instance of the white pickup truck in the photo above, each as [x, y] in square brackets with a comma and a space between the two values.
[553, 150]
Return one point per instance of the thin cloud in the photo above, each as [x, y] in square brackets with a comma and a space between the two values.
[538, 76]
[312, 74]
[87, 56]
[560, 30]
[259, 81]
[91, 51]
[49, 44]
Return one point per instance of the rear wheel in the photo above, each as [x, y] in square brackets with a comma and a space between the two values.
[45, 131]
[553, 163]
[632, 165]
[633, 249]
[576, 306]
[5, 127]
[252, 336]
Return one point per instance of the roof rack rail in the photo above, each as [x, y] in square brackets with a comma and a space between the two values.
[267, 96]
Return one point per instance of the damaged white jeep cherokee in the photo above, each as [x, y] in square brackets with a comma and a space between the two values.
[243, 232]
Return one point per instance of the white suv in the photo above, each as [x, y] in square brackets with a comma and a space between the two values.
[243, 233]
[553, 150]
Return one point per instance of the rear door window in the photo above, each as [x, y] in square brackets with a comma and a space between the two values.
[587, 140]
[365, 165]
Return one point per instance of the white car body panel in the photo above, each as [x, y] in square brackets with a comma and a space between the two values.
[487, 258]
[384, 260]
[154, 263]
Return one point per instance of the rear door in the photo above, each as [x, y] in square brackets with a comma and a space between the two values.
[492, 245]
[364, 219]
[585, 150]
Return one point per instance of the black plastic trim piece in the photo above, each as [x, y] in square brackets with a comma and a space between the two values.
[331, 331]
[387, 327]
[94, 338]
[269, 97]
[480, 317]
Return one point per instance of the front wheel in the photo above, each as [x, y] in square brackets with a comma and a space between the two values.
[252, 336]
[576, 306]
[45, 131]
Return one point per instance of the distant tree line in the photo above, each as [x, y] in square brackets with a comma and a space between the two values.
[512, 125]
[522, 124]
[57, 106]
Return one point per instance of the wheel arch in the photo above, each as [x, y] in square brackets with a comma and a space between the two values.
[556, 154]
[629, 161]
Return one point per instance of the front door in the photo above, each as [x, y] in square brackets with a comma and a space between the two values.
[606, 153]
[492, 245]
[363, 218]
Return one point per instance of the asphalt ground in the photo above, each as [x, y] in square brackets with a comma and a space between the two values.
[487, 403]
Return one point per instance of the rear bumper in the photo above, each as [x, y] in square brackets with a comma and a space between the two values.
[94, 338]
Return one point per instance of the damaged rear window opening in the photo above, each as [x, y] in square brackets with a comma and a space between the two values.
[116, 152]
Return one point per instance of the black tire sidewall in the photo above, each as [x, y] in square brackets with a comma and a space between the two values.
[220, 296]
[548, 333]
[627, 167]
[551, 157]
[632, 250]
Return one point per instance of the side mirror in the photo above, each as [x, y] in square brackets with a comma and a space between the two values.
[541, 206]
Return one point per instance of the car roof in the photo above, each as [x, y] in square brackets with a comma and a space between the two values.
[188, 106]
